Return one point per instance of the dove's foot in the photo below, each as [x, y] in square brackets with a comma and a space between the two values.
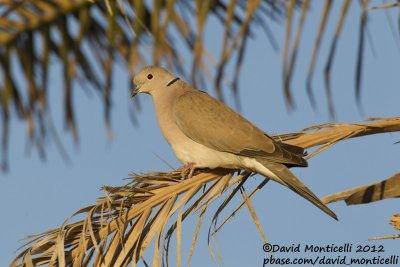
[190, 167]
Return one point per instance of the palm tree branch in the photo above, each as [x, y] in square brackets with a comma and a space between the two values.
[128, 31]
[122, 223]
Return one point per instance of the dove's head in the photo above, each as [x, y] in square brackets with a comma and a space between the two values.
[151, 79]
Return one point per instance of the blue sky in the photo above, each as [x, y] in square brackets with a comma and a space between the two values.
[36, 196]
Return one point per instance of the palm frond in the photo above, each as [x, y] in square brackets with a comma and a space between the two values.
[87, 37]
[326, 135]
[332, 51]
[395, 221]
[388, 188]
[317, 44]
[121, 225]
[386, 6]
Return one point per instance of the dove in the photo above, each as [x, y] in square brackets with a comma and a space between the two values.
[205, 133]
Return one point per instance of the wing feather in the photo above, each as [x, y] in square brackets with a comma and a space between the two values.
[213, 124]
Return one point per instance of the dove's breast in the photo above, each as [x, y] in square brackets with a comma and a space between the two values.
[187, 150]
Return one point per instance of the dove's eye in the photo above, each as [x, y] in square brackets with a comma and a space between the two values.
[150, 76]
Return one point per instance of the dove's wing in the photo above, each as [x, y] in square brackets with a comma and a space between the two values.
[215, 125]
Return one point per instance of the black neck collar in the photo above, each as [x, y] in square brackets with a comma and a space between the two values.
[173, 81]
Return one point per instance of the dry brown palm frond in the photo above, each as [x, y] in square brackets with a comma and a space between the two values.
[332, 51]
[326, 135]
[134, 33]
[395, 221]
[386, 5]
[122, 224]
[389, 188]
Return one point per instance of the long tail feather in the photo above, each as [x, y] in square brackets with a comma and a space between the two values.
[291, 181]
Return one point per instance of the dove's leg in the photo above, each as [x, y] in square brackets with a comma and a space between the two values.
[187, 167]
[192, 169]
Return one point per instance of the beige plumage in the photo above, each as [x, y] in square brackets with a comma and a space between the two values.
[208, 134]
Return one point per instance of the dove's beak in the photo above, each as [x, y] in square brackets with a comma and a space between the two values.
[135, 90]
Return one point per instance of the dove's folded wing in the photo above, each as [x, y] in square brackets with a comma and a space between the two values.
[209, 122]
